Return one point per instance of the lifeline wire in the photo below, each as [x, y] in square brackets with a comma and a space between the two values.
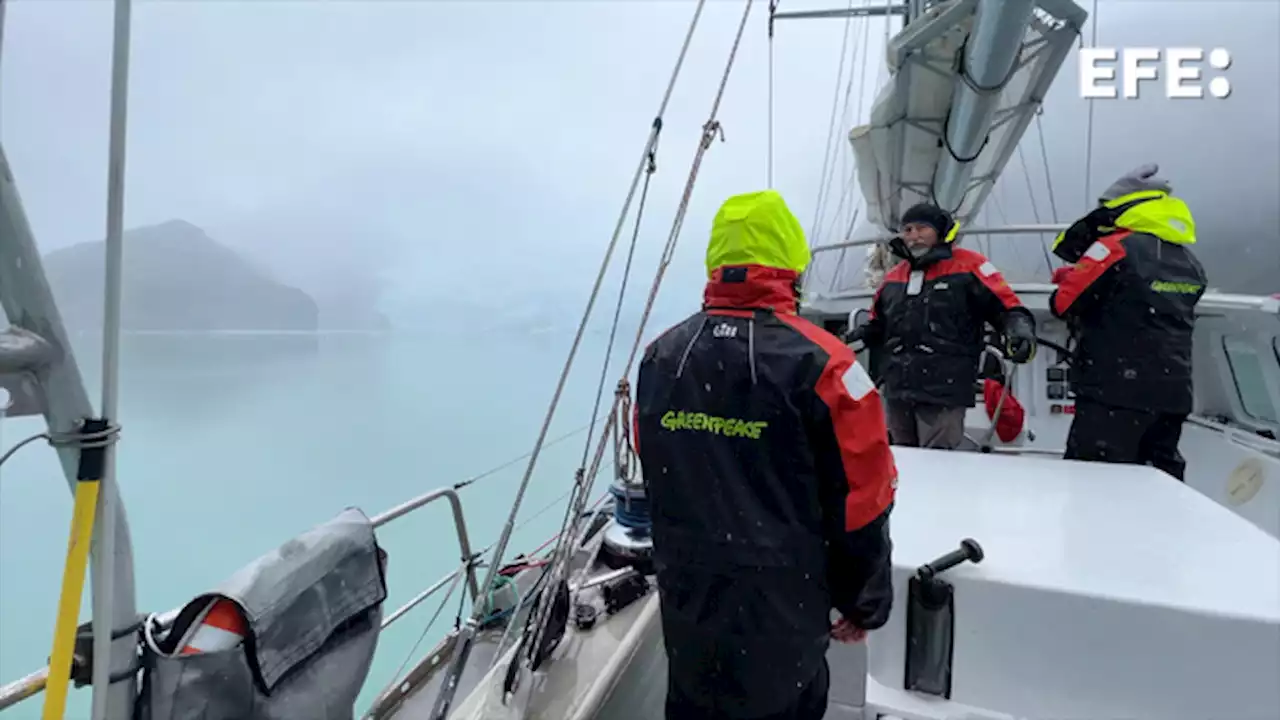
[395, 678]
[443, 701]
[709, 132]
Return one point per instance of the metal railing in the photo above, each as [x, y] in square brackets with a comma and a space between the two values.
[34, 683]
[459, 522]
[1001, 230]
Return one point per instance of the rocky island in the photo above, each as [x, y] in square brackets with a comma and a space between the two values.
[176, 278]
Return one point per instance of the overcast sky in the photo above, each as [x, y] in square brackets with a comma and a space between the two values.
[482, 149]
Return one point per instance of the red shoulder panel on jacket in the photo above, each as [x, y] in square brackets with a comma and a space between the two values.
[857, 419]
[971, 261]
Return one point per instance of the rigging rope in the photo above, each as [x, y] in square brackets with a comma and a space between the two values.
[1004, 220]
[831, 126]
[617, 310]
[1048, 176]
[773, 11]
[444, 699]
[844, 113]
[1035, 209]
[560, 556]
[1088, 143]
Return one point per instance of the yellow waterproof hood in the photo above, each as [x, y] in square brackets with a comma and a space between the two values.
[1153, 212]
[1162, 215]
[757, 229]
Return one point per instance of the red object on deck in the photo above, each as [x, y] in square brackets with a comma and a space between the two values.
[1012, 415]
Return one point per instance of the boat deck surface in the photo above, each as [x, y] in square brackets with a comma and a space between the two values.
[578, 680]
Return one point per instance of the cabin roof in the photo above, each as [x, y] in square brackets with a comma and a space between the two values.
[1122, 531]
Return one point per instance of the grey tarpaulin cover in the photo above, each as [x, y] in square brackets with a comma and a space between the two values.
[313, 608]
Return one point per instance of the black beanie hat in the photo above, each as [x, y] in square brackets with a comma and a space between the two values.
[931, 215]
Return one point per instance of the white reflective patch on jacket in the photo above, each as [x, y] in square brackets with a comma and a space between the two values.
[1097, 252]
[858, 382]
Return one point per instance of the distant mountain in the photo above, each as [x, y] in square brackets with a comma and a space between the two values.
[176, 278]
[337, 260]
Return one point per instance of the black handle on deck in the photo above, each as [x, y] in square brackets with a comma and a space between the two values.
[969, 550]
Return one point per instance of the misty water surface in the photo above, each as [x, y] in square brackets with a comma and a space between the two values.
[231, 445]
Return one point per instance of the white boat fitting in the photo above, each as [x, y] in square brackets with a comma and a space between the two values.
[1105, 591]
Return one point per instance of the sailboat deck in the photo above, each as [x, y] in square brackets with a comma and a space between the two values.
[582, 685]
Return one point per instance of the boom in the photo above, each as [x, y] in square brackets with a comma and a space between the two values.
[966, 79]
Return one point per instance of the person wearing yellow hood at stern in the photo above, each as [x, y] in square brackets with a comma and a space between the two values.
[1130, 296]
[770, 478]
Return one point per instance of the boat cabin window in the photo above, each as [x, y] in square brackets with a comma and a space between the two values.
[1251, 384]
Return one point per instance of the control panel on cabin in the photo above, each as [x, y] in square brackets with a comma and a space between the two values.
[1057, 389]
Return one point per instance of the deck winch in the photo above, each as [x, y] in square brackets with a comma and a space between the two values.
[629, 540]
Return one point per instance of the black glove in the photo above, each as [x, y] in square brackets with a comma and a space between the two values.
[1020, 337]
[858, 334]
[1021, 349]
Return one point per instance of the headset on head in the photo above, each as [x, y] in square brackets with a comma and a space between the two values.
[952, 234]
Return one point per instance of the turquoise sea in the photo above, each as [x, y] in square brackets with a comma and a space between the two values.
[231, 444]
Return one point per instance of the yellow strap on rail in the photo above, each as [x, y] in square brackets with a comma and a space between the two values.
[96, 434]
[73, 574]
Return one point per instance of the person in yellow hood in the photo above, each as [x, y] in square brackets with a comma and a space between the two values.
[770, 477]
[1130, 295]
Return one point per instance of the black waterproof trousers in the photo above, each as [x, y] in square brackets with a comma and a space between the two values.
[810, 704]
[1104, 433]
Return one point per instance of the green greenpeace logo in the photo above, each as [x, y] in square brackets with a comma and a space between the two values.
[702, 422]
[1180, 288]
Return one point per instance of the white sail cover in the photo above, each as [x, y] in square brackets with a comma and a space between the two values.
[966, 78]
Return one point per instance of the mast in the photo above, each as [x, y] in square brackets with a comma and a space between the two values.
[108, 501]
[43, 355]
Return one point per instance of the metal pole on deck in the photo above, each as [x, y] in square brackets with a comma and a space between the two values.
[104, 566]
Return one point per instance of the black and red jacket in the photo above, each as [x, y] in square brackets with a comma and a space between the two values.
[930, 337]
[769, 470]
[1132, 301]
